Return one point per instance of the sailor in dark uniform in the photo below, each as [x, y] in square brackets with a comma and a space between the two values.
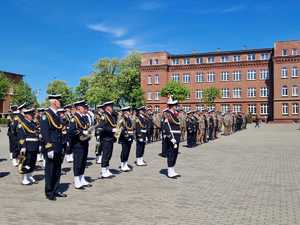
[37, 120]
[51, 130]
[172, 131]
[80, 137]
[163, 140]
[28, 135]
[68, 149]
[125, 126]
[190, 130]
[10, 131]
[141, 136]
[98, 134]
[108, 129]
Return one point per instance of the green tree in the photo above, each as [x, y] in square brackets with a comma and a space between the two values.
[5, 84]
[179, 91]
[82, 88]
[24, 93]
[210, 95]
[60, 87]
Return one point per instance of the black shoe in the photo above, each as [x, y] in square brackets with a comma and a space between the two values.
[162, 155]
[51, 198]
[60, 195]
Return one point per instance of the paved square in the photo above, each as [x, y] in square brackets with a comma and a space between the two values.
[251, 178]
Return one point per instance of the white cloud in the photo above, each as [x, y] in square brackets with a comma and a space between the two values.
[235, 8]
[150, 6]
[129, 43]
[115, 31]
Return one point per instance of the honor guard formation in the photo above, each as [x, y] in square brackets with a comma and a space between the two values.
[59, 133]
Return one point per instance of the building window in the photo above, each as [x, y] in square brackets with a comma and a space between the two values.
[199, 78]
[186, 108]
[251, 57]
[186, 61]
[264, 92]
[294, 72]
[295, 108]
[149, 96]
[237, 108]
[200, 108]
[295, 90]
[284, 52]
[264, 109]
[284, 72]
[175, 77]
[155, 61]
[236, 93]
[236, 58]
[199, 60]
[265, 56]
[284, 91]
[211, 59]
[225, 92]
[225, 108]
[294, 51]
[285, 109]
[224, 76]
[156, 79]
[211, 108]
[224, 59]
[175, 61]
[149, 79]
[188, 97]
[156, 108]
[251, 75]
[251, 92]
[150, 61]
[252, 109]
[199, 94]
[211, 77]
[237, 75]
[186, 78]
[264, 74]
[156, 95]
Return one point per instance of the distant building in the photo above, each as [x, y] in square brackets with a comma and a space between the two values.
[259, 81]
[6, 102]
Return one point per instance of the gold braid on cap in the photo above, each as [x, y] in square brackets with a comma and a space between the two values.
[109, 121]
[50, 119]
[79, 123]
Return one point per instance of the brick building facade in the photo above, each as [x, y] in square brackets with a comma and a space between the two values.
[261, 81]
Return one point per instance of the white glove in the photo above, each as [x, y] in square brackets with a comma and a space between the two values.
[114, 130]
[146, 139]
[23, 151]
[173, 141]
[50, 154]
[85, 132]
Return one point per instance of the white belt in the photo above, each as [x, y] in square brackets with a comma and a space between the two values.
[175, 131]
[31, 139]
[130, 132]
[143, 131]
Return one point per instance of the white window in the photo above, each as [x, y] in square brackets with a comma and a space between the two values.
[224, 58]
[156, 108]
[199, 60]
[294, 72]
[237, 75]
[295, 90]
[294, 51]
[186, 108]
[155, 62]
[188, 97]
[251, 92]
[237, 108]
[251, 57]
[175, 61]
[225, 92]
[200, 108]
[149, 79]
[252, 108]
[149, 96]
[284, 72]
[236, 58]
[295, 108]
[186, 78]
[199, 78]
[156, 95]
[285, 109]
[199, 94]
[264, 92]
[211, 77]
[264, 109]
[211, 107]
[211, 59]
[156, 79]
[284, 91]
[225, 108]
[251, 75]
[264, 74]
[224, 76]
[175, 77]
[236, 93]
[265, 56]
[186, 61]
[284, 52]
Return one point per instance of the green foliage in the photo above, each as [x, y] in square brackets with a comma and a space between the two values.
[210, 94]
[5, 84]
[3, 121]
[23, 93]
[82, 88]
[60, 87]
[179, 91]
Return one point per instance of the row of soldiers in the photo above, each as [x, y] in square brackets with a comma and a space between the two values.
[57, 133]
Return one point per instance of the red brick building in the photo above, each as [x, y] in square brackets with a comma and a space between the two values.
[249, 80]
[6, 102]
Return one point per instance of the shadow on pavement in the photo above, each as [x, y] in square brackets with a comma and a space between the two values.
[91, 158]
[164, 172]
[4, 174]
[63, 187]
[114, 171]
[39, 177]
[1, 160]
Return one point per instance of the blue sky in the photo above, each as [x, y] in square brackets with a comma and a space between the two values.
[62, 39]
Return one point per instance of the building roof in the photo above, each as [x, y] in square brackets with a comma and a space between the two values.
[12, 74]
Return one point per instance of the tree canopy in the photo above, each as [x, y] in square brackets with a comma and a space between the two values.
[210, 95]
[60, 87]
[5, 84]
[24, 93]
[179, 91]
